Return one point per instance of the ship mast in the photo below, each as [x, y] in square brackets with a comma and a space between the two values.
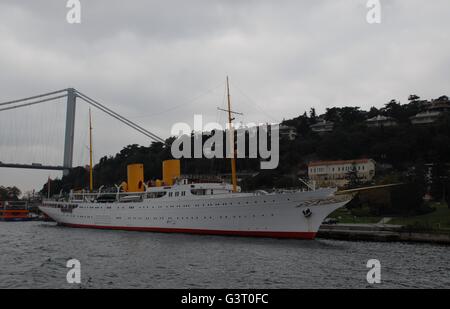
[91, 176]
[231, 129]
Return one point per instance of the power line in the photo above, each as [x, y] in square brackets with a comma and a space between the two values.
[186, 104]
[255, 104]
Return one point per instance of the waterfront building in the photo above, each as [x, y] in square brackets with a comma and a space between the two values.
[336, 173]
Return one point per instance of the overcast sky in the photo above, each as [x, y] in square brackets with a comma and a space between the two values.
[160, 62]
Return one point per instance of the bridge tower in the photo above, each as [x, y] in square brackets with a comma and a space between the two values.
[70, 130]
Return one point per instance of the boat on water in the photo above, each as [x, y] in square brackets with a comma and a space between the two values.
[14, 211]
[199, 208]
[181, 205]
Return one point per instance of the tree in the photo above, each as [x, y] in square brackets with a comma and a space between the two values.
[333, 114]
[443, 98]
[351, 116]
[447, 192]
[9, 193]
[312, 113]
[373, 112]
[352, 177]
[413, 98]
[393, 109]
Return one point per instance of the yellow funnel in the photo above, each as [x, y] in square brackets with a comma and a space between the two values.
[135, 178]
[171, 170]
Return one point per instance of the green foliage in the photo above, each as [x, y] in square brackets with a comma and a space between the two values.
[437, 218]
[401, 147]
[9, 193]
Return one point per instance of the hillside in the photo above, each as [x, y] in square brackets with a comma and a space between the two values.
[401, 151]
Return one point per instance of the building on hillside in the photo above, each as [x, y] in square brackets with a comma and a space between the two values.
[435, 109]
[288, 132]
[440, 106]
[322, 126]
[427, 117]
[381, 121]
[336, 173]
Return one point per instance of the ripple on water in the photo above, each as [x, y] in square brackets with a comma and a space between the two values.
[34, 254]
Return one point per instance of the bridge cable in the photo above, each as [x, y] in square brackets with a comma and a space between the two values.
[119, 117]
[32, 103]
[33, 97]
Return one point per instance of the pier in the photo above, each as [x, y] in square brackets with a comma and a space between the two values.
[381, 233]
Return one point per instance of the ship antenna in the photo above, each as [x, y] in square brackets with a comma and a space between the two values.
[91, 176]
[233, 158]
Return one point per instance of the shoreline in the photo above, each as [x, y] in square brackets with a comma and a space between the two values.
[381, 233]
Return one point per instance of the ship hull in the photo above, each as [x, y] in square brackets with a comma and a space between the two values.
[295, 235]
[292, 215]
[15, 219]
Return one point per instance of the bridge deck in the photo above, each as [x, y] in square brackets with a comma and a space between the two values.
[33, 166]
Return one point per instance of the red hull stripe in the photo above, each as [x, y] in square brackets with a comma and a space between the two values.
[296, 235]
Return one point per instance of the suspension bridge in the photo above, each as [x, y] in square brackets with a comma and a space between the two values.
[73, 97]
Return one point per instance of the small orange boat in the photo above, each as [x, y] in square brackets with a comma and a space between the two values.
[14, 211]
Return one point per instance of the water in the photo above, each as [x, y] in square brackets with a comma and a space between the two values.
[34, 255]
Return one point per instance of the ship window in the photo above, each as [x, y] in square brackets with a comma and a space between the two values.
[157, 194]
[177, 193]
[198, 191]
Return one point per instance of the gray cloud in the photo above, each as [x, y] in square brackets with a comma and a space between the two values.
[153, 60]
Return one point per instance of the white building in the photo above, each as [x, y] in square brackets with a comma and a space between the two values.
[434, 111]
[335, 173]
[322, 126]
[381, 121]
[288, 132]
[427, 117]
